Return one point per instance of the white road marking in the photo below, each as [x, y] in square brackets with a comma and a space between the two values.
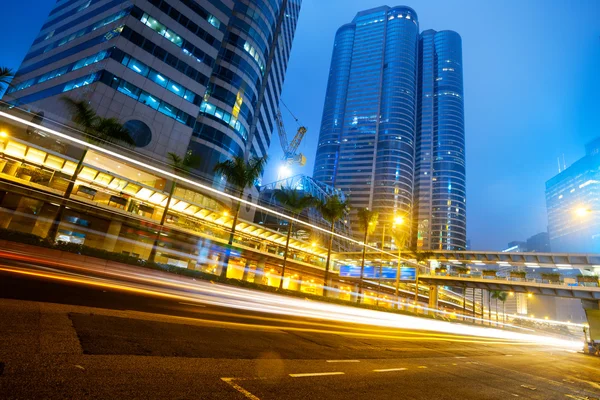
[422, 367]
[240, 389]
[192, 304]
[316, 374]
[508, 355]
[460, 357]
[528, 387]
[342, 361]
[389, 370]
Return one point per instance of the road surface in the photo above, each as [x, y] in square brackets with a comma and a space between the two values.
[69, 331]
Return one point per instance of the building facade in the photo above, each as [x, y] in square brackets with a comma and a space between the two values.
[573, 205]
[203, 75]
[440, 214]
[392, 132]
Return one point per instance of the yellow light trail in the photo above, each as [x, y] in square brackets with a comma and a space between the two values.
[325, 311]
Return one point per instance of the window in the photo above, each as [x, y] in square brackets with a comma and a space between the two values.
[157, 78]
[128, 89]
[148, 100]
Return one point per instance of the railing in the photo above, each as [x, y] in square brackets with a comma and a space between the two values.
[509, 279]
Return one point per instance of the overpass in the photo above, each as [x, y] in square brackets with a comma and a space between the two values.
[590, 262]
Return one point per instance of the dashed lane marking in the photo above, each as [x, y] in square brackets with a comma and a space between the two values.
[460, 357]
[422, 367]
[389, 370]
[247, 394]
[529, 387]
[343, 361]
[316, 374]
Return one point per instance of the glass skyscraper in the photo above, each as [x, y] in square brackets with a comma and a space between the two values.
[204, 75]
[392, 133]
[573, 205]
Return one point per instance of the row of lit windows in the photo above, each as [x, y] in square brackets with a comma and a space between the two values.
[88, 29]
[60, 71]
[219, 113]
[146, 98]
[64, 87]
[160, 79]
[82, 18]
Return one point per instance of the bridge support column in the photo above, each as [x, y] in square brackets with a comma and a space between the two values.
[592, 312]
[433, 298]
[259, 274]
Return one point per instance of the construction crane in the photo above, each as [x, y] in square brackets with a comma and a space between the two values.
[290, 149]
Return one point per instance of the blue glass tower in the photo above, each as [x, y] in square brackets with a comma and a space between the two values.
[440, 219]
[392, 133]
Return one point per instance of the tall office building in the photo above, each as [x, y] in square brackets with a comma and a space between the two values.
[392, 133]
[573, 205]
[204, 75]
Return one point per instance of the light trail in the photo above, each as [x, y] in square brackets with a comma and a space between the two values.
[226, 296]
[171, 175]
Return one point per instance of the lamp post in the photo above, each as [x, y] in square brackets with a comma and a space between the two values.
[398, 220]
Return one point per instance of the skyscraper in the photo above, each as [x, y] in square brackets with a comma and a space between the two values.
[573, 205]
[392, 133]
[204, 75]
[440, 214]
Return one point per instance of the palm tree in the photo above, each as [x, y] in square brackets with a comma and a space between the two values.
[294, 201]
[502, 296]
[6, 76]
[333, 209]
[183, 165]
[367, 221]
[97, 130]
[240, 174]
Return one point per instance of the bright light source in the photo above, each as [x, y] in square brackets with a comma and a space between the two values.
[284, 173]
[398, 220]
[582, 212]
[530, 295]
[3, 134]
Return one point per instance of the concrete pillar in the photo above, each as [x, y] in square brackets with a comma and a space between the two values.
[247, 268]
[433, 298]
[112, 236]
[260, 272]
[592, 312]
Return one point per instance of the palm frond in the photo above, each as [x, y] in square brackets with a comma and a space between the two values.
[82, 114]
[367, 220]
[294, 200]
[239, 173]
[6, 75]
[112, 131]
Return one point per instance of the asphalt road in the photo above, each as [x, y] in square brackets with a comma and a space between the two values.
[68, 333]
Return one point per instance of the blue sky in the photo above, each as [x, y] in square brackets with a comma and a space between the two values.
[532, 79]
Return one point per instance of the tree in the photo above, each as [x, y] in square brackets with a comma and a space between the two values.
[240, 174]
[332, 210]
[96, 130]
[183, 165]
[295, 202]
[502, 296]
[367, 221]
[6, 76]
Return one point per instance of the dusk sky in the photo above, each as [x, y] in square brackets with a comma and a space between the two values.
[532, 84]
